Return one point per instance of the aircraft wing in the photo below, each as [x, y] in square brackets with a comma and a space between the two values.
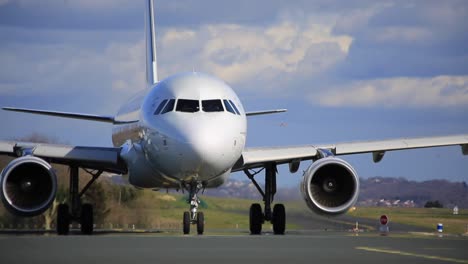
[265, 112]
[97, 118]
[97, 158]
[258, 157]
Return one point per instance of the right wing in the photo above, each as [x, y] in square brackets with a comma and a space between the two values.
[96, 158]
[259, 157]
[265, 112]
[378, 148]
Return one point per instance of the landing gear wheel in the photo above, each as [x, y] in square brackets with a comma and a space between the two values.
[63, 219]
[255, 219]
[279, 219]
[200, 223]
[186, 223]
[86, 219]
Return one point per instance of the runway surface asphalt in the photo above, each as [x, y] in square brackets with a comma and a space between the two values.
[294, 247]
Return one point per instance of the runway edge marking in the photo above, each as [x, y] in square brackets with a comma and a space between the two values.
[402, 253]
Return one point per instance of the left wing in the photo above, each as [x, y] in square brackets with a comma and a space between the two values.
[258, 157]
[96, 158]
[89, 117]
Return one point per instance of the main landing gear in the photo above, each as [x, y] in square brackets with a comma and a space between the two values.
[194, 217]
[277, 216]
[81, 213]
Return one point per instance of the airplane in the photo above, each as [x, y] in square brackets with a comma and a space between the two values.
[186, 132]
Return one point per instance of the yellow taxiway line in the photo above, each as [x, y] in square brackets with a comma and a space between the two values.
[402, 253]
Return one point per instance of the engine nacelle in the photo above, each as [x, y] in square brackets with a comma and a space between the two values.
[330, 186]
[28, 186]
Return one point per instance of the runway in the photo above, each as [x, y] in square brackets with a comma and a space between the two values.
[315, 247]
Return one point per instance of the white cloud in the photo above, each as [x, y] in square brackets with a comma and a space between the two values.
[292, 55]
[177, 35]
[403, 34]
[240, 53]
[126, 62]
[359, 19]
[440, 91]
[81, 4]
[67, 67]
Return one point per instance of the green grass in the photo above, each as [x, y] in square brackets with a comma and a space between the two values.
[156, 210]
[220, 213]
[422, 217]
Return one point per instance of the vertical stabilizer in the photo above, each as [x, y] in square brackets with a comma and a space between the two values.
[151, 62]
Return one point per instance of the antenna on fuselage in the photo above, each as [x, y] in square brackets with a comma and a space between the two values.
[151, 62]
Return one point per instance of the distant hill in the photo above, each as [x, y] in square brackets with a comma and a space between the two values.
[376, 191]
[448, 193]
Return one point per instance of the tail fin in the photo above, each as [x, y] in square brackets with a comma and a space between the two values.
[151, 62]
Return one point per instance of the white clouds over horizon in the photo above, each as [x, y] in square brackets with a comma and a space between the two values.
[81, 4]
[364, 58]
[346, 70]
[238, 54]
[439, 91]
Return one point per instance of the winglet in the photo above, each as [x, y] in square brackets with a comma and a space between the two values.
[105, 119]
[266, 112]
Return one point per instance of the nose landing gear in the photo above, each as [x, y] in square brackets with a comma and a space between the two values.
[194, 217]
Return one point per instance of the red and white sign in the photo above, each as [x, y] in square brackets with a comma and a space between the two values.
[383, 220]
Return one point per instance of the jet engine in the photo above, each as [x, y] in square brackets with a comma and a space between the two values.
[330, 186]
[28, 186]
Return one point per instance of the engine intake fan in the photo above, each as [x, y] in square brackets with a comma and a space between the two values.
[330, 186]
[28, 186]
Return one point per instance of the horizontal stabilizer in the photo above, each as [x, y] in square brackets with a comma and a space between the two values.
[265, 112]
[98, 118]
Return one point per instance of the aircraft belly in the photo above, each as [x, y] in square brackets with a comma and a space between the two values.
[141, 172]
[177, 161]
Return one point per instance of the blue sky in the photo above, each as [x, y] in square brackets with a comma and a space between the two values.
[346, 70]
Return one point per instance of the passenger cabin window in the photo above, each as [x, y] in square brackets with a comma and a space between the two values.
[229, 107]
[212, 106]
[160, 107]
[235, 108]
[188, 106]
[169, 106]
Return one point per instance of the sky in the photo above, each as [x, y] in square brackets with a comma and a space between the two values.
[345, 70]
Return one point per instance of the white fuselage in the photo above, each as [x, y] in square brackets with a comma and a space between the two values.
[192, 127]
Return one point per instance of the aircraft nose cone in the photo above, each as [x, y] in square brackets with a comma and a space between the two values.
[211, 147]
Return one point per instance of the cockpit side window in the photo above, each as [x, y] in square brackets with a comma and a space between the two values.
[169, 106]
[188, 106]
[229, 107]
[160, 107]
[235, 108]
[212, 105]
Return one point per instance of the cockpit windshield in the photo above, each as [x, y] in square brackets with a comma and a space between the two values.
[160, 107]
[235, 107]
[212, 105]
[229, 107]
[192, 106]
[169, 106]
[188, 106]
